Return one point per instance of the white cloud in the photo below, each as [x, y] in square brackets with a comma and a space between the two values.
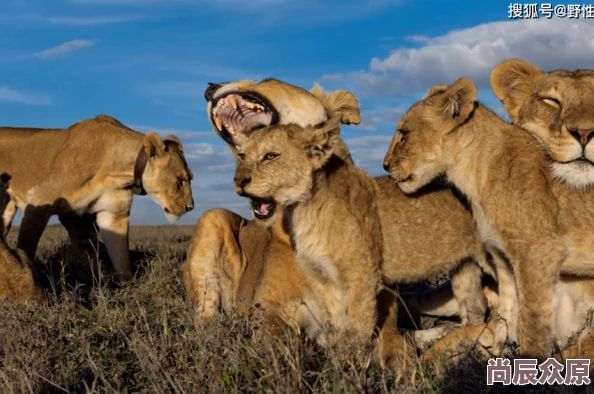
[90, 21]
[67, 47]
[203, 157]
[368, 152]
[473, 52]
[10, 95]
[373, 118]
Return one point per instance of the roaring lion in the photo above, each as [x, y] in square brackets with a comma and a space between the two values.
[17, 279]
[92, 167]
[556, 108]
[235, 262]
[543, 227]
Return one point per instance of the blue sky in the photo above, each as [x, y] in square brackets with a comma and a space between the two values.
[147, 62]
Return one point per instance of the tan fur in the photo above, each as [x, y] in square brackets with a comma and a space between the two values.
[17, 280]
[338, 245]
[87, 168]
[334, 219]
[225, 244]
[556, 108]
[543, 227]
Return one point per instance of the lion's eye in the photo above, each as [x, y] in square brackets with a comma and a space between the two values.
[270, 156]
[553, 102]
[403, 134]
[241, 156]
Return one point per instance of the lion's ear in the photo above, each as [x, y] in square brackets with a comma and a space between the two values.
[175, 140]
[437, 89]
[319, 141]
[339, 103]
[453, 106]
[153, 144]
[512, 82]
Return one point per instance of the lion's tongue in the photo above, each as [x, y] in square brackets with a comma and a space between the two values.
[263, 207]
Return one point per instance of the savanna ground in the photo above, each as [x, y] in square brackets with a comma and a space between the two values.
[98, 337]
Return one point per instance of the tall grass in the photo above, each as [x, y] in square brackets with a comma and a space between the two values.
[98, 337]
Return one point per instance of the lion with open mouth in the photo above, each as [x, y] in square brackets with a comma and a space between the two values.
[233, 263]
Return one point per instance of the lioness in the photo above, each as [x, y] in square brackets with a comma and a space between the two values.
[92, 167]
[231, 259]
[17, 280]
[542, 226]
[556, 108]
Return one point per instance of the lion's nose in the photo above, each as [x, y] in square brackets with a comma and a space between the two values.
[387, 166]
[211, 89]
[189, 207]
[243, 182]
[582, 136]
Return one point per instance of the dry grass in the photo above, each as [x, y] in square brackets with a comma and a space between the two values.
[98, 337]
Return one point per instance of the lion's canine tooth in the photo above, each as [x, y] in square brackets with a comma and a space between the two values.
[219, 123]
[233, 101]
[230, 130]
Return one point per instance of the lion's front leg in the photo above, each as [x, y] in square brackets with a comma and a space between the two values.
[114, 229]
[8, 215]
[32, 226]
[393, 348]
[215, 262]
[81, 228]
[537, 271]
[583, 349]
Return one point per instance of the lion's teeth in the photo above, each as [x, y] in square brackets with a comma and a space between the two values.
[233, 101]
[219, 123]
[250, 105]
[218, 106]
[230, 130]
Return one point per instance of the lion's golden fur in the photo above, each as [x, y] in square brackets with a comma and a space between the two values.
[520, 210]
[556, 108]
[88, 168]
[17, 279]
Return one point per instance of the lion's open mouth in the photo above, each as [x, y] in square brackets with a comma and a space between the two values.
[233, 113]
[263, 207]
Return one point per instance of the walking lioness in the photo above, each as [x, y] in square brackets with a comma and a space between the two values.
[94, 166]
[542, 226]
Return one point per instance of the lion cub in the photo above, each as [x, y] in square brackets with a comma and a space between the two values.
[17, 280]
[332, 216]
[543, 227]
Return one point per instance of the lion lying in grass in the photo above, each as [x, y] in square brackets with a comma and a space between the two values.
[542, 227]
[17, 279]
[233, 262]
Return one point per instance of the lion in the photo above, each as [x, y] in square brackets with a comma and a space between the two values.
[234, 262]
[556, 108]
[332, 215]
[17, 279]
[541, 226]
[92, 167]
